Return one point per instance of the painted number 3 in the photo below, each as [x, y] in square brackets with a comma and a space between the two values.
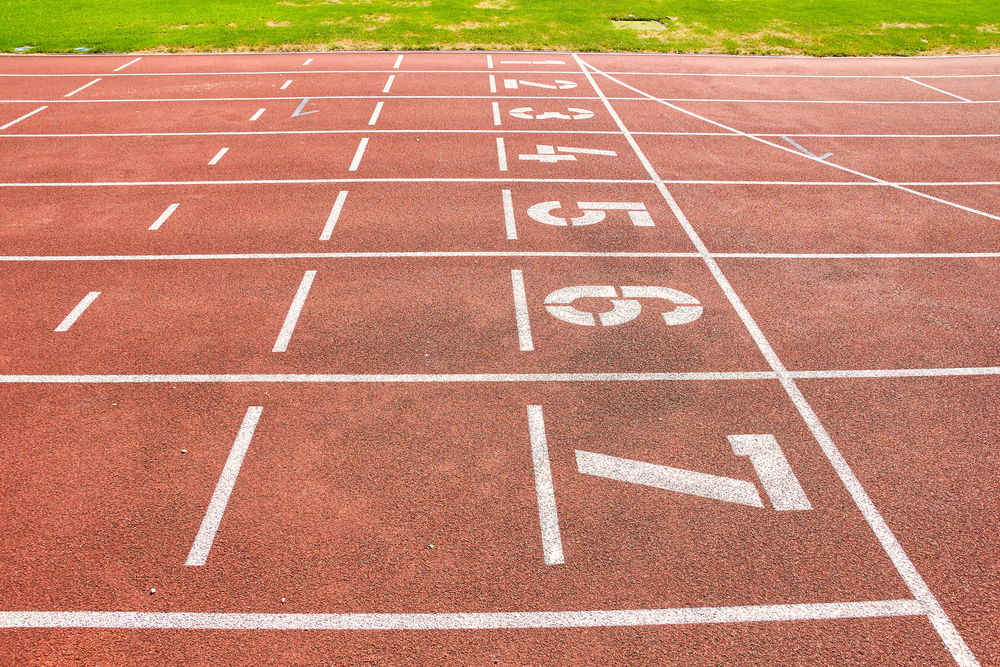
[625, 304]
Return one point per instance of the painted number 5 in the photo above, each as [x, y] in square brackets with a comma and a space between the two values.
[625, 304]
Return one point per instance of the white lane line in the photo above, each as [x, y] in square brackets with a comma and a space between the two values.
[793, 151]
[266, 181]
[86, 85]
[496, 113]
[285, 85]
[257, 114]
[307, 62]
[223, 489]
[524, 341]
[342, 378]
[27, 115]
[294, 310]
[493, 83]
[399, 61]
[77, 311]
[163, 217]
[218, 156]
[945, 92]
[509, 221]
[489, 61]
[375, 113]
[166, 620]
[358, 154]
[501, 154]
[548, 517]
[935, 613]
[331, 220]
[388, 83]
[131, 62]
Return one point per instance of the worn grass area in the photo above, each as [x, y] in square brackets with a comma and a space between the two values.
[813, 27]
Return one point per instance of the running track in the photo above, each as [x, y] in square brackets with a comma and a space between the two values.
[499, 359]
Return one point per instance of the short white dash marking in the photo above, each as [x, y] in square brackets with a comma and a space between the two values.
[358, 154]
[223, 489]
[524, 340]
[86, 85]
[286, 84]
[257, 114]
[489, 61]
[399, 61]
[27, 115]
[508, 216]
[496, 112]
[307, 62]
[388, 83]
[501, 154]
[288, 327]
[548, 517]
[163, 217]
[131, 62]
[331, 220]
[493, 83]
[218, 156]
[943, 92]
[375, 113]
[77, 311]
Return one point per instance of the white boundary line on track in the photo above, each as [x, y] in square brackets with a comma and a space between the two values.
[417, 254]
[904, 566]
[492, 131]
[502, 165]
[447, 378]
[165, 620]
[700, 100]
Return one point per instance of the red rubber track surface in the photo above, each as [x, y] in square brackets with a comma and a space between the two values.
[316, 358]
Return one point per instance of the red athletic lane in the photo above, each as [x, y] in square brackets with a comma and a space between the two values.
[931, 468]
[282, 218]
[884, 313]
[416, 315]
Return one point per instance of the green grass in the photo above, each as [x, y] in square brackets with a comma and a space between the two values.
[812, 27]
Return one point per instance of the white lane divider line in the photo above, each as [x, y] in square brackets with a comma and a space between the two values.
[489, 61]
[257, 114]
[74, 314]
[399, 61]
[358, 154]
[285, 85]
[548, 516]
[27, 115]
[294, 310]
[163, 217]
[331, 220]
[218, 156]
[493, 83]
[510, 224]
[501, 154]
[131, 62]
[945, 92]
[375, 113]
[388, 83]
[496, 113]
[307, 62]
[223, 489]
[86, 85]
[524, 341]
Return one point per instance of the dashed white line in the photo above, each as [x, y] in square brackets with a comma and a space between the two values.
[294, 310]
[285, 85]
[331, 220]
[509, 221]
[399, 61]
[501, 154]
[307, 62]
[77, 311]
[493, 83]
[218, 156]
[358, 154]
[375, 113]
[521, 316]
[548, 516]
[27, 115]
[84, 86]
[489, 61]
[163, 217]
[388, 83]
[496, 112]
[223, 489]
[257, 114]
[131, 62]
